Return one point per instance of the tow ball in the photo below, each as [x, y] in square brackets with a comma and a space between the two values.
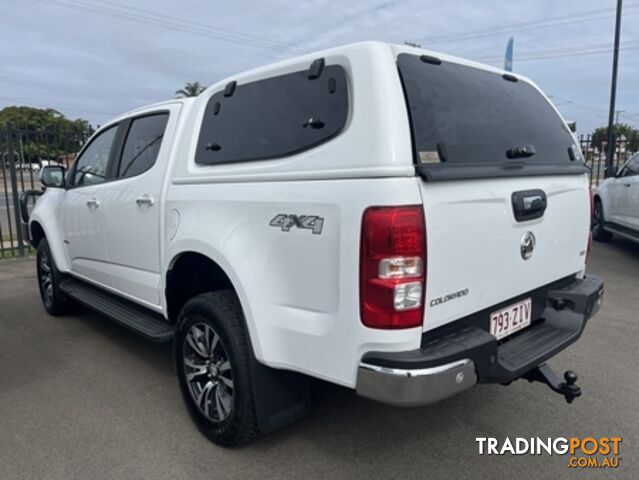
[545, 374]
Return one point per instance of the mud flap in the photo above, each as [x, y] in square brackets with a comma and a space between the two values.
[281, 396]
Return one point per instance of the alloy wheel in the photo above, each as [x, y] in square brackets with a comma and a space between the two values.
[596, 220]
[208, 372]
[46, 278]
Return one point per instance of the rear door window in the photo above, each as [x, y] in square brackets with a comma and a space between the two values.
[274, 117]
[467, 122]
[142, 144]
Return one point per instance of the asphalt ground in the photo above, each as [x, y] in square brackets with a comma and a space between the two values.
[81, 398]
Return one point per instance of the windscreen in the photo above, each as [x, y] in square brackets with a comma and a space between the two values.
[462, 115]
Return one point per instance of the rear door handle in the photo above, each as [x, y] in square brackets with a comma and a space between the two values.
[627, 184]
[93, 203]
[144, 201]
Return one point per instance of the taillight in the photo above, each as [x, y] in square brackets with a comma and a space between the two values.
[392, 267]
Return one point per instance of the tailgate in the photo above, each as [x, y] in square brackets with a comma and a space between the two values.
[504, 186]
[474, 241]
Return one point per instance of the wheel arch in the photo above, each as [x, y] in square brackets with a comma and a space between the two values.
[193, 271]
[598, 197]
[36, 233]
[39, 229]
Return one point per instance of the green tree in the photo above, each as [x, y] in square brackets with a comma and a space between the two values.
[41, 133]
[190, 90]
[600, 136]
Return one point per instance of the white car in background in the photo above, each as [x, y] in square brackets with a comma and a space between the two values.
[48, 163]
[26, 166]
[616, 203]
[36, 166]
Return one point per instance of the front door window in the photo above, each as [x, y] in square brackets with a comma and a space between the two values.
[91, 167]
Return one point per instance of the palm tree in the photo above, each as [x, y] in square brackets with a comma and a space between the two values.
[190, 90]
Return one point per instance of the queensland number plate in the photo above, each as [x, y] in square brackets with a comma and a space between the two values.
[511, 319]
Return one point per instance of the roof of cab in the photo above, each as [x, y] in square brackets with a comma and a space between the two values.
[145, 108]
[157, 105]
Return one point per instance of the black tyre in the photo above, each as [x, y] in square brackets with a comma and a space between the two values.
[213, 359]
[598, 231]
[49, 277]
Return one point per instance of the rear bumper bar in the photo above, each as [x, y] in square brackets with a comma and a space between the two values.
[456, 359]
[414, 387]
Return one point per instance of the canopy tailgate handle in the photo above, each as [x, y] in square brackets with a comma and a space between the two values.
[529, 204]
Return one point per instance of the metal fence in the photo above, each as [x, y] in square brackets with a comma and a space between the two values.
[23, 153]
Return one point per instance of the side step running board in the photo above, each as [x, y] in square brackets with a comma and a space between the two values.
[624, 232]
[149, 324]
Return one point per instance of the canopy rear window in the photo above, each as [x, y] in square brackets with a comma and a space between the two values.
[470, 123]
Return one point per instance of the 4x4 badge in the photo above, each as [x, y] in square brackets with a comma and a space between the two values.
[527, 245]
[288, 221]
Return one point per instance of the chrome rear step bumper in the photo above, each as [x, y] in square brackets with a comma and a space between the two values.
[458, 358]
[410, 388]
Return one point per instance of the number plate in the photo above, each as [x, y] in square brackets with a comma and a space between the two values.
[511, 319]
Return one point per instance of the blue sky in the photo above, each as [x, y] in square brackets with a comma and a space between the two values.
[97, 58]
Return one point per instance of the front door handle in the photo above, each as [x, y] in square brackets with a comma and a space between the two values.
[144, 201]
[627, 184]
[93, 203]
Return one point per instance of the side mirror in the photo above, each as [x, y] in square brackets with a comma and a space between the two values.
[52, 176]
[610, 172]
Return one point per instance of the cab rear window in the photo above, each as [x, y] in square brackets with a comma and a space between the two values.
[468, 123]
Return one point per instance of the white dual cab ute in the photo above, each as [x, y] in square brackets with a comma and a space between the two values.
[402, 223]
